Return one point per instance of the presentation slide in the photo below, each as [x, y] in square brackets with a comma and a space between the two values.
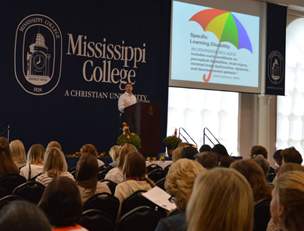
[214, 47]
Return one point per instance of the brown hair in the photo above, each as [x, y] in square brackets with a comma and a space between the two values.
[207, 159]
[290, 167]
[260, 160]
[89, 148]
[87, 172]
[255, 176]
[35, 154]
[54, 144]
[54, 162]
[7, 165]
[259, 149]
[125, 149]
[226, 161]
[291, 155]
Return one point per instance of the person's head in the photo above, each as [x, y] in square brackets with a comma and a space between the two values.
[6, 162]
[35, 154]
[114, 152]
[54, 144]
[291, 155]
[61, 202]
[255, 176]
[287, 204]
[23, 216]
[17, 151]
[220, 151]
[87, 172]
[180, 180]
[129, 88]
[205, 148]
[290, 167]
[207, 159]
[54, 162]
[277, 157]
[135, 165]
[221, 200]
[258, 149]
[226, 161]
[176, 155]
[125, 149]
[189, 152]
[89, 148]
[260, 160]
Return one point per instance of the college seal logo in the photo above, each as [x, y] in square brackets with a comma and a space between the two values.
[38, 54]
[276, 67]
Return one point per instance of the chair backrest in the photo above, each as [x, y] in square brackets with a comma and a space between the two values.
[3, 191]
[7, 199]
[112, 185]
[142, 218]
[161, 183]
[156, 175]
[105, 167]
[34, 178]
[96, 220]
[104, 202]
[166, 169]
[261, 214]
[102, 174]
[152, 167]
[11, 181]
[135, 200]
[31, 191]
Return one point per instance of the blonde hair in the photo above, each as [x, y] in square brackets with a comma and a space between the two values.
[17, 151]
[114, 152]
[54, 144]
[35, 154]
[180, 180]
[221, 200]
[289, 189]
[176, 155]
[290, 167]
[89, 148]
[125, 149]
[54, 162]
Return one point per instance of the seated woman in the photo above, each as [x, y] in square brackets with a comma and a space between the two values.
[35, 162]
[135, 177]
[87, 177]
[287, 204]
[115, 174]
[54, 165]
[90, 148]
[256, 178]
[221, 200]
[114, 153]
[18, 153]
[7, 164]
[62, 204]
[179, 183]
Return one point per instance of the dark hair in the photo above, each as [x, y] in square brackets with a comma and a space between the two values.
[220, 150]
[7, 164]
[205, 148]
[207, 159]
[189, 152]
[259, 149]
[22, 216]
[87, 172]
[291, 155]
[226, 161]
[277, 155]
[61, 202]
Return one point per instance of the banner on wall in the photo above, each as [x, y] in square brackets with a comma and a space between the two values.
[275, 49]
[67, 63]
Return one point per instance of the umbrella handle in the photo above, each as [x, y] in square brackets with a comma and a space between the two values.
[207, 79]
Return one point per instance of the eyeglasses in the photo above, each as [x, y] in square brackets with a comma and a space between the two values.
[171, 199]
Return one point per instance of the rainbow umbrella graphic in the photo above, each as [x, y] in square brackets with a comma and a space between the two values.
[226, 27]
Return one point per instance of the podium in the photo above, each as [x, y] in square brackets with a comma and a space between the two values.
[144, 119]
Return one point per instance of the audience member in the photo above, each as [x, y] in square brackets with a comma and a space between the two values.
[278, 157]
[258, 149]
[291, 155]
[179, 183]
[207, 159]
[205, 148]
[176, 155]
[260, 160]
[23, 216]
[220, 151]
[189, 152]
[256, 178]
[87, 177]
[54, 165]
[18, 153]
[62, 204]
[226, 161]
[221, 200]
[90, 148]
[114, 153]
[54, 144]
[287, 205]
[115, 174]
[7, 164]
[34, 162]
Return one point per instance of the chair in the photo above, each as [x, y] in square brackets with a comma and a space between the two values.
[3, 191]
[102, 174]
[73, 171]
[95, 220]
[156, 175]
[135, 200]
[161, 183]
[166, 169]
[152, 167]
[11, 181]
[31, 191]
[261, 215]
[142, 218]
[173, 212]
[105, 167]
[112, 185]
[34, 178]
[7, 199]
[104, 202]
